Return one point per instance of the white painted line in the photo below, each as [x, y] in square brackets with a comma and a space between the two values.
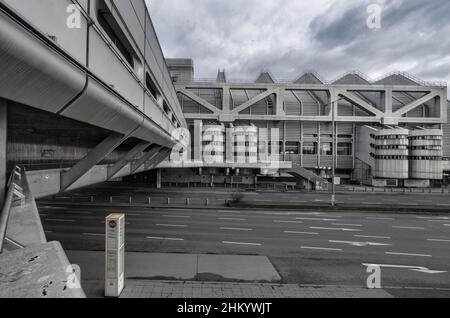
[334, 229]
[281, 221]
[382, 219]
[93, 234]
[316, 219]
[171, 225]
[178, 210]
[306, 233]
[177, 216]
[320, 248]
[357, 225]
[407, 254]
[438, 240]
[164, 238]
[446, 224]
[360, 244]
[232, 219]
[235, 229]
[374, 237]
[411, 268]
[239, 243]
[433, 218]
[408, 228]
[60, 220]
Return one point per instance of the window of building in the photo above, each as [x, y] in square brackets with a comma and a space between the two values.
[113, 30]
[292, 148]
[151, 86]
[310, 148]
[326, 149]
[344, 149]
[280, 145]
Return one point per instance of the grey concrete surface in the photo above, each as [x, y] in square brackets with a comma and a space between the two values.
[189, 290]
[38, 271]
[180, 267]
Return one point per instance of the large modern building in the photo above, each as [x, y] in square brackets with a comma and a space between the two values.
[390, 132]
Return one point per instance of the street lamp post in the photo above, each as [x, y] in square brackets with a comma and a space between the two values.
[334, 152]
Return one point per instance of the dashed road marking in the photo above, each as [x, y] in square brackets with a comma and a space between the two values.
[241, 243]
[408, 254]
[320, 248]
[171, 225]
[305, 233]
[164, 238]
[235, 229]
[374, 237]
[408, 227]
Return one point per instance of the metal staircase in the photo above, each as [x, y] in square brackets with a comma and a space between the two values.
[317, 182]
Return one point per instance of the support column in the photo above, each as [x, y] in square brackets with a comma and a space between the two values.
[140, 147]
[3, 142]
[149, 155]
[96, 155]
[158, 179]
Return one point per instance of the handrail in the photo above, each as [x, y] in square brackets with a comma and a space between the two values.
[6, 210]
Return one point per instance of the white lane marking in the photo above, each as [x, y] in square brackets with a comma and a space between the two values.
[437, 221]
[382, 219]
[177, 216]
[93, 234]
[374, 237]
[60, 220]
[446, 224]
[164, 238]
[334, 229]
[316, 219]
[320, 248]
[178, 210]
[360, 244]
[438, 240]
[357, 225]
[235, 229]
[433, 218]
[306, 233]
[408, 254]
[171, 225]
[241, 243]
[232, 219]
[408, 227]
[281, 221]
[411, 268]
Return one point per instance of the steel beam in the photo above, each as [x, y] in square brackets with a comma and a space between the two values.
[199, 100]
[96, 155]
[3, 143]
[146, 157]
[360, 102]
[158, 159]
[254, 100]
[416, 104]
[119, 165]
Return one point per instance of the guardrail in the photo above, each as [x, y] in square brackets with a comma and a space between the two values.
[13, 190]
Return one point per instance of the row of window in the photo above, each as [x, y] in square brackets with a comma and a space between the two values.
[389, 137]
[426, 138]
[425, 148]
[112, 28]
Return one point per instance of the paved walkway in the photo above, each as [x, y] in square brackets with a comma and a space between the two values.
[189, 290]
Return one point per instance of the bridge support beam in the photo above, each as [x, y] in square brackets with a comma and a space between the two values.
[149, 155]
[119, 165]
[96, 155]
[3, 143]
[157, 159]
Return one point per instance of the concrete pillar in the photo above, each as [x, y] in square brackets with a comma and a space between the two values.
[3, 142]
[158, 179]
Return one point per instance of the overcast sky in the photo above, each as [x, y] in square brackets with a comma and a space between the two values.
[288, 37]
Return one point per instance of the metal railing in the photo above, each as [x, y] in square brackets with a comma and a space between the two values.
[13, 189]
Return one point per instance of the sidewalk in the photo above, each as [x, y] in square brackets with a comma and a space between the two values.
[189, 290]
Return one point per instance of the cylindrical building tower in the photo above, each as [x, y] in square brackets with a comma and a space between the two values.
[213, 139]
[426, 154]
[245, 139]
[391, 153]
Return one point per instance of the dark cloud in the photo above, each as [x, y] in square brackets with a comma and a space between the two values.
[290, 36]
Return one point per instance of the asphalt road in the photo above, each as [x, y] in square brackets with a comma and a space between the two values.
[319, 248]
[121, 194]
